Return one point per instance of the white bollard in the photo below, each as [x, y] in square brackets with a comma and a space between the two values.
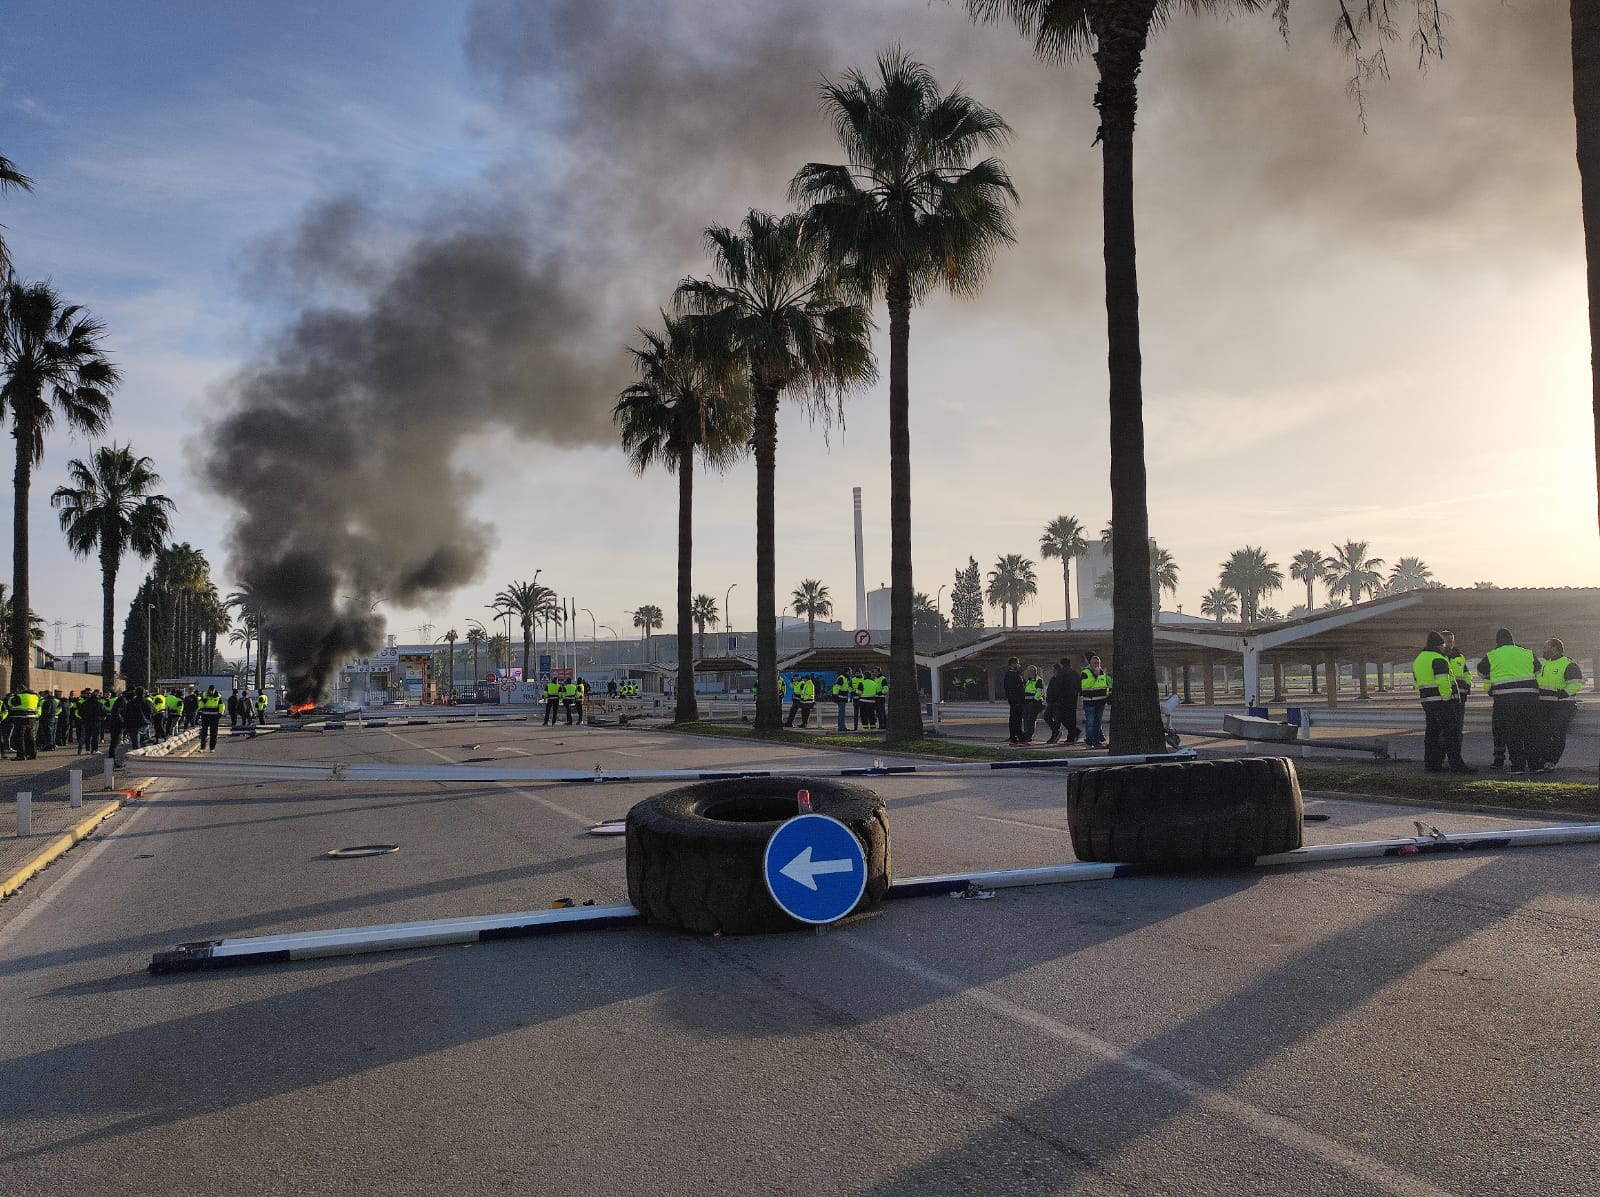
[111, 772]
[24, 814]
[75, 789]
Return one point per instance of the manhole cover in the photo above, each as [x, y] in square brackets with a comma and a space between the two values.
[363, 850]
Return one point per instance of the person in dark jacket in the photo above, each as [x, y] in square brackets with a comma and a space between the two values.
[1061, 698]
[1016, 699]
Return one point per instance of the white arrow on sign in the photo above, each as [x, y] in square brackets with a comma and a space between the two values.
[806, 871]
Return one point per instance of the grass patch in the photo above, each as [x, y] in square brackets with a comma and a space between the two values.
[1402, 781]
[1553, 797]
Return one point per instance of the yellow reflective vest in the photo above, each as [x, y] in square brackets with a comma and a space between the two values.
[1560, 680]
[1431, 671]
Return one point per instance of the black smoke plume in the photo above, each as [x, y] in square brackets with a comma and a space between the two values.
[338, 444]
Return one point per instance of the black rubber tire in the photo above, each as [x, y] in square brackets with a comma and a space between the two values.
[696, 872]
[1185, 813]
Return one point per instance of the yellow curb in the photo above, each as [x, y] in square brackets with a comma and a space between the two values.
[57, 848]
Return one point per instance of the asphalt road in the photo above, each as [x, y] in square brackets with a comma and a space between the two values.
[1401, 1026]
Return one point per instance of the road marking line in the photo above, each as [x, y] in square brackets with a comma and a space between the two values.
[1273, 1126]
[1021, 823]
[47, 899]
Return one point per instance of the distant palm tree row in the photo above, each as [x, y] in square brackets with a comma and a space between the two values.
[1348, 573]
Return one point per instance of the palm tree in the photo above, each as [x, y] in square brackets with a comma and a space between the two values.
[1012, 582]
[10, 177]
[930, 622]
[1063, 538]
[476, 637]
[450, 638]
[1163, 576]
[252, 618]
[527, 601]
[1249, 574]
[778, 313]
[649, 619]
[1268, 615]
[108, 508]
[683, 404]
[811, 599]
[1219, 603]
[704, 613]
[244, 635]
[50, 360]
[1586, 107]
[1410, 573]
[1351, 571]
[908, 213]
[1308, 566]
[1117, 32]
[183, 574]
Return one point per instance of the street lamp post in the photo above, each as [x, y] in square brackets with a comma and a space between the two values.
[938, 612]
[727, 615]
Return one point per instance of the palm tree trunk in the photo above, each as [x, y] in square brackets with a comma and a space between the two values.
[527, 648]
[1586, 107]
[1121, 30]
[687, 711]
[1066, 585]
[905, 709]
[769, 707]
[108, 618]
[21, 646]
[811, 631]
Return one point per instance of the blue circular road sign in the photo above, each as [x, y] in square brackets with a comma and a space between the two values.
[815, 869]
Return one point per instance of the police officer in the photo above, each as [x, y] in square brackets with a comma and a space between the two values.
[1033, 687]
[1016, 700]
[867, 707]
[552, 701]
[569, 697]
[1436, 687]
[1512, 672]
[1560, 680]
[799, 704]
[583, 697]
[209, 708]
[22, 712]
[1094, 683]
[840, 693]
[261, 707]
[1461, 673]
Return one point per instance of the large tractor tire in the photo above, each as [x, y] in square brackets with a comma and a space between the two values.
[1185, 813]
[695, 853]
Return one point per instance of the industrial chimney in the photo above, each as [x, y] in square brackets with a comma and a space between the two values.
[861, 571]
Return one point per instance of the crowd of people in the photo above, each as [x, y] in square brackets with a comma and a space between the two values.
[1533, 696]
[32, 722]
[1029, 695]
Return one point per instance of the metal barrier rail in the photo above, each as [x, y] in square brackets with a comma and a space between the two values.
[246, 771]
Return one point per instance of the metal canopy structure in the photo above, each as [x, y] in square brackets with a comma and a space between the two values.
[725, 664]
[1385, 629]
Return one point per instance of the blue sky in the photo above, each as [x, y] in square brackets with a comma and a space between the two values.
[1318, 302]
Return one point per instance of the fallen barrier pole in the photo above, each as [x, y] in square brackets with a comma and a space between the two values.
[350, 941]
[387, 937]
[1404, 846]
[247, 771]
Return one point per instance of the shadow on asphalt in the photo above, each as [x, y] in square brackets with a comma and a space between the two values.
[301, 915]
